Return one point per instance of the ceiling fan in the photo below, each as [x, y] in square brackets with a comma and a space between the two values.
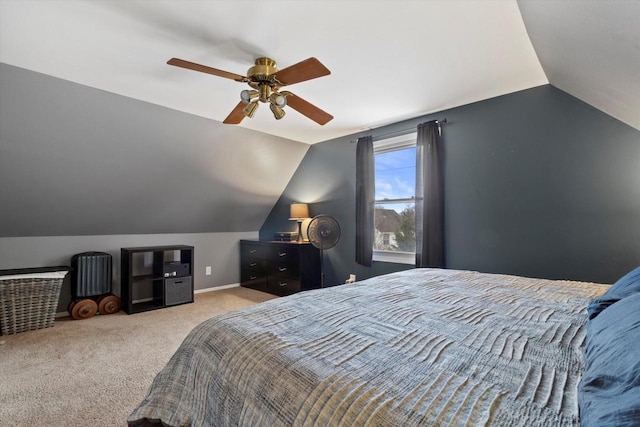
[266, 81]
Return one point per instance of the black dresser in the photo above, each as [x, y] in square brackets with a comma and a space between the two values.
[280, 268]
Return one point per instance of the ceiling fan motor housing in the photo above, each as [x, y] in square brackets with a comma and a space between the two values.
[263, 70]
[262, 77]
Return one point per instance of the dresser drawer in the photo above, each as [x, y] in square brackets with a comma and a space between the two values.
[284, 253]
[254, 280]
[247, 250]
[252, 264]
[286, 269]
[283, 285]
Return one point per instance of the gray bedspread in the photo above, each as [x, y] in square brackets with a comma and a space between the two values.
[421, 347]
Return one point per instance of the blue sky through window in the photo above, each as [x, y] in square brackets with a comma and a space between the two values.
[395, 173]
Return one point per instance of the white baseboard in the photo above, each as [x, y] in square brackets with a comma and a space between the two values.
[197, 291]
[216, 288]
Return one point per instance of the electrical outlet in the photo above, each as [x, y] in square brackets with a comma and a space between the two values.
[208, 270]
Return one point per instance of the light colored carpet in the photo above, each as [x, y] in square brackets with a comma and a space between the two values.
[94, 372]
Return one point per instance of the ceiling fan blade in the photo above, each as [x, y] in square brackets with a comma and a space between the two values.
[236, 116]
[204, 69]
[305, 108]
[302, 71]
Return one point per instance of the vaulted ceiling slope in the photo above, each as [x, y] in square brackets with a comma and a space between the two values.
[389, 60]
[591, 50]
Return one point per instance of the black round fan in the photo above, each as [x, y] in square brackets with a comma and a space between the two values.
[324, 233]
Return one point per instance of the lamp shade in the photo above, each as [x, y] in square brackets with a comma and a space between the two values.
[299, 211]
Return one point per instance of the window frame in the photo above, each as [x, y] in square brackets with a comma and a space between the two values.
[394, 143]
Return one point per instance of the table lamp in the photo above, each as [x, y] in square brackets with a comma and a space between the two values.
[299, 212]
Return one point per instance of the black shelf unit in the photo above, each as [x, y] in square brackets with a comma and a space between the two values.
[144, 284]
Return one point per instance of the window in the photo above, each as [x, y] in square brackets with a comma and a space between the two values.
[395, 185]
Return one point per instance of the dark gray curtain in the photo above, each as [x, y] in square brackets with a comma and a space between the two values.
[365, 197]
[429, 197]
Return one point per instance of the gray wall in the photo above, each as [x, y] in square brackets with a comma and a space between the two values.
[80, 161]
[87, 170]
[221, 251]
[538, 184]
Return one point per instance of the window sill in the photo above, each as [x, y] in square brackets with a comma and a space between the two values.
[395, 257]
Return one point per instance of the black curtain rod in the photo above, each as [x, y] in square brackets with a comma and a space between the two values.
[401, 132]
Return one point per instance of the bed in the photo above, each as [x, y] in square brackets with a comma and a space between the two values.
[419, 347]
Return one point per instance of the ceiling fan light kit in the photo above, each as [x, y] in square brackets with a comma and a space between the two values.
[266, 81]
[248, 96]
[277, 99]
[278, 112]
[250, 109]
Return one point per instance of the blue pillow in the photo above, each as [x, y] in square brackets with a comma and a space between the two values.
[609, 392]
[625, 286]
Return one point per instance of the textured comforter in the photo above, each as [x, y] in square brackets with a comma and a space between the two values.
[420, 347]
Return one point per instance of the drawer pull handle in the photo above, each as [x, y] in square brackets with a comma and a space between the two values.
[253, 277]
[282, 268]
[252, 251]
[282, 284]
[253, 264]
[282, 254]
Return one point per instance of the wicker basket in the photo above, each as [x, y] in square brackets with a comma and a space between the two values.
[28, 303]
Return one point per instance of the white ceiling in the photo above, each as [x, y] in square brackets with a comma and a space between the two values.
[390, 60]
